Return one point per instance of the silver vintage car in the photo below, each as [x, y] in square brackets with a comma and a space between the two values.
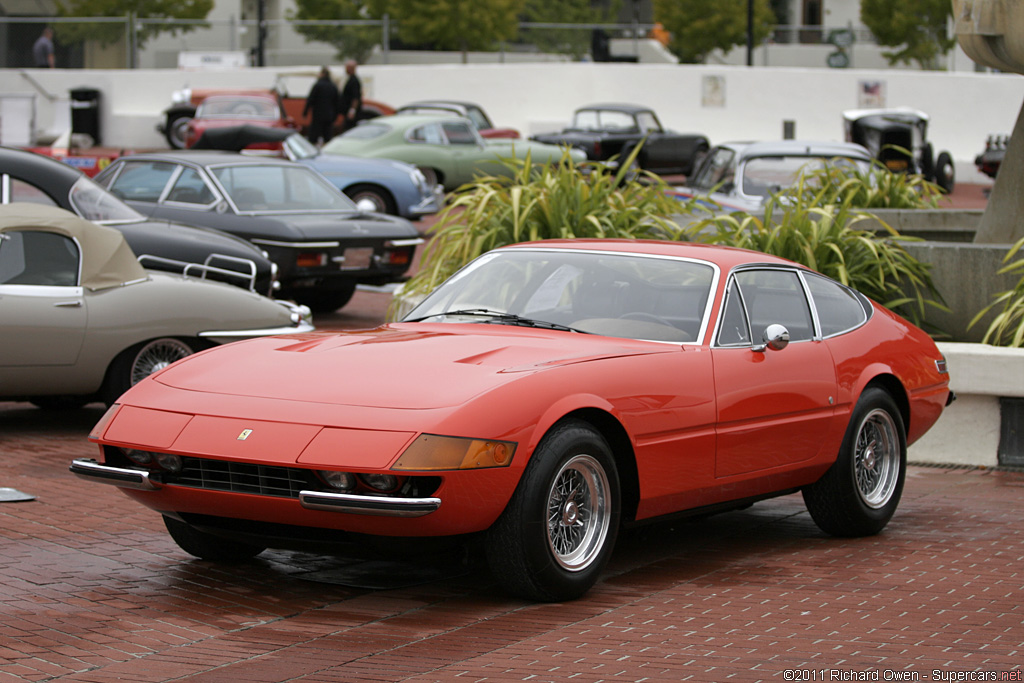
[82, 320]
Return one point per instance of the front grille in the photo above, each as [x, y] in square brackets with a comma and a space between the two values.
[240, 477]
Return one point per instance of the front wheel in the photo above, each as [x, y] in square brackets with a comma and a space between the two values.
[858, 495]
[371, 194]
[207, 546]
[557, 532]
[177, 131]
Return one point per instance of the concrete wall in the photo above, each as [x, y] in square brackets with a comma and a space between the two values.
[723, 102]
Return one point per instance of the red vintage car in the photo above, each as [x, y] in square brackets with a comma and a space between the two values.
[540, 398]
[221, 111]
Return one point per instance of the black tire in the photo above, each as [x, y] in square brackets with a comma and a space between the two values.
[176, 129]
[382, 200]
[555, 536]
[858, 495]
[327, 300]
[139, 361]
[207, 546]
[945, 172]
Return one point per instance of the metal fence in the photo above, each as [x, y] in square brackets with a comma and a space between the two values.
[278, 42]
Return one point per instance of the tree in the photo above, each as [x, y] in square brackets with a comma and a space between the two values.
[107, 33]
[353, 42]
[453, 24]
[918, 27]
[575, 42]
[699, 26]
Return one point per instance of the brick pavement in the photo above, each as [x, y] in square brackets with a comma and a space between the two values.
[93, 590]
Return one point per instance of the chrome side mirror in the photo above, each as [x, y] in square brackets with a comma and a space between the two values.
[775, 337]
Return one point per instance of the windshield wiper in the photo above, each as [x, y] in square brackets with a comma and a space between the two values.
[499, 318]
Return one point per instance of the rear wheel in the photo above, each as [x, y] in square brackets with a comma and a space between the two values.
[381, 198]
[945, 173]
[207, 546]
[858, 495]
[558, 530]
[177, 128]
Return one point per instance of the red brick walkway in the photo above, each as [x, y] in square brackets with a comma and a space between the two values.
[93, 590]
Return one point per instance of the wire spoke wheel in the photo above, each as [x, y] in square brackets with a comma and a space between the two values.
[579, 512]
[876, 459]
[157, 355]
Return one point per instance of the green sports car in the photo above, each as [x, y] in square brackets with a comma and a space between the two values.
[450, 146]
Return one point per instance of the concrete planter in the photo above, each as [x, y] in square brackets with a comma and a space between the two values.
[968, 433]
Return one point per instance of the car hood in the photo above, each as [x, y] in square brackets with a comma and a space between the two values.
[326, 226]
[412, 366]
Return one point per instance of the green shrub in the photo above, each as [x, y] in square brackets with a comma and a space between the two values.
[826, 238]
[1007, 328]
[544, 202]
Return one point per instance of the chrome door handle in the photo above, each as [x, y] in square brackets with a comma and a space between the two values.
[68, 304]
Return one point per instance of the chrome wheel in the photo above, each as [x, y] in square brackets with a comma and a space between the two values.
[579, 512]
[157, 355]
[876, 458]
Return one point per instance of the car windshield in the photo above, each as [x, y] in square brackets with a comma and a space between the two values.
[269, 188]
[764, 175]
[95, 204]
[716, 172]
[238, 108]
[612, 294]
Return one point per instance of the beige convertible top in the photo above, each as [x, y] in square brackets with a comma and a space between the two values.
[107, 260]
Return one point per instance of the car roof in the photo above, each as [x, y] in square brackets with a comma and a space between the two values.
[35, 163]
[725, 257]
[906, 112]
[402, 121]
[453, 104]
[107, 260]
[613, 106]
[814, 148]
[208, 158]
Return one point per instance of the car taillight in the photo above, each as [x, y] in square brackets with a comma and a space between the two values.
[398, 257]
[311, 259]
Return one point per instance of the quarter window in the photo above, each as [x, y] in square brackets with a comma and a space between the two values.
[839, 308]
[25, 192]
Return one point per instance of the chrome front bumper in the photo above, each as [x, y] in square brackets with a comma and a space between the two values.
[380, 506]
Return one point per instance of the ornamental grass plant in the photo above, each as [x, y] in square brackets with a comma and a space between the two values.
[1007, 328]
[809, 226]
[553, 201]
[874, 188]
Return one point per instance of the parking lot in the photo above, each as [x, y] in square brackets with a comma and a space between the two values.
[92, 589]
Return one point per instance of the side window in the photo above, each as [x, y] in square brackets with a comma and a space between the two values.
[458, 133]
[776, 297]
[142, 181]
[26, 192]
[429, 134]
[190, 188]
[30, 257]
[839, 308]
[734, 331]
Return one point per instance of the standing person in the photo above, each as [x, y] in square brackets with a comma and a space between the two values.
[350, 104]
[322, 102]
[42, 50]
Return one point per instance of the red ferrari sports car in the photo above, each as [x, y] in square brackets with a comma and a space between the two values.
[543, 396]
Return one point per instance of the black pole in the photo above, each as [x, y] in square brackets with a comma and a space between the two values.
[261, 32]
[750, 32]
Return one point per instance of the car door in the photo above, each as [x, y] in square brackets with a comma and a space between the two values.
[775, 407]
[468, 152]
[42, 309]
[662, 151]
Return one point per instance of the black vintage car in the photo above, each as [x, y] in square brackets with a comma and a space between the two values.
[991, 158]
[898, 138]
[322, 243]
[605, 131]
[159, 244]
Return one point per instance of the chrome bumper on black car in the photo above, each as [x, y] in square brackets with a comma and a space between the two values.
[382, 506]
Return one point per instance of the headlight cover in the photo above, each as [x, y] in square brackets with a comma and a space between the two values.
[433, 452]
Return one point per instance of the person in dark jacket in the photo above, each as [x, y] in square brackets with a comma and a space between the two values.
[350, 104]
[322, 103]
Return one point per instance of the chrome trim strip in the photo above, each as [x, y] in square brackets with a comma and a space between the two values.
[304, 326]
[411, 242]
[118, 476]
[368, 505]
[296, 245]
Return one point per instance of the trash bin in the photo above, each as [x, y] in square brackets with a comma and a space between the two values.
[85, 112]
